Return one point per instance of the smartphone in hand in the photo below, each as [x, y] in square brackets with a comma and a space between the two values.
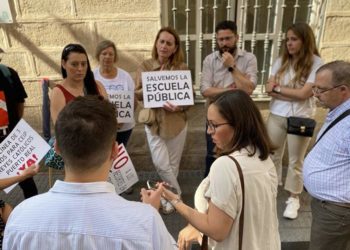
[153, 185]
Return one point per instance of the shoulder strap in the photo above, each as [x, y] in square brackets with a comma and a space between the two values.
[6, 72]
[338, 119]
[204, 245]
[241, 218]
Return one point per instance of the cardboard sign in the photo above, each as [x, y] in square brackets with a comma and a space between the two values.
[124, 103]
[122, 173]
[22, 148]
[161, 86]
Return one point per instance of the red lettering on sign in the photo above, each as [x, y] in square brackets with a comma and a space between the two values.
[28, 163]
[120, 162]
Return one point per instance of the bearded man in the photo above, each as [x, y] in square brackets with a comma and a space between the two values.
[229, 68]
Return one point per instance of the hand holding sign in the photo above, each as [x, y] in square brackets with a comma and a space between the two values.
[22, 148]
[171, 107]
[122, 173]
[30, 171]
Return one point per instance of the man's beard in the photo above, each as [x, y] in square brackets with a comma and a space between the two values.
[231, 50]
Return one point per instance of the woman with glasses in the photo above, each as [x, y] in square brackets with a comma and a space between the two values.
[237, 128]
[290, 86]
[167, 134]
[114, 79]
[78, 79]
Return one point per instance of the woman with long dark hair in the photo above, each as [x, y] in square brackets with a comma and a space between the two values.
[78, 79]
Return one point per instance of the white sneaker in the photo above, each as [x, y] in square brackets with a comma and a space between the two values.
[167, 208]
[291, 211]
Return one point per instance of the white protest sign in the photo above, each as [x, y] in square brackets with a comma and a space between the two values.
[22, 148]
[122, 173]
[124, 103]
[161, 86]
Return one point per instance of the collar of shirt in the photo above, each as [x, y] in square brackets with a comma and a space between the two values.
[238, 54]
[333, 114]
[82, 188]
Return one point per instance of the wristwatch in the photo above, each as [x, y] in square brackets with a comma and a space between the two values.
[231, 68]
[277, 89]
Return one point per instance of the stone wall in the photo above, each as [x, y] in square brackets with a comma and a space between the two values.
[335, 44]
[41, 28]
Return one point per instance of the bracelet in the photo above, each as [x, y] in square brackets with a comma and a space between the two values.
[175, 201]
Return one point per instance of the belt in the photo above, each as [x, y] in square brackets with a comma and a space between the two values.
[339, 204]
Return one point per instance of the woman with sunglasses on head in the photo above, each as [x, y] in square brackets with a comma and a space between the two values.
[78, 79]
[237, 128]
[114, 79]
[290, 86]
[167, 134]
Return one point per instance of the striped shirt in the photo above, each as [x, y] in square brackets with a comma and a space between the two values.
[326, 168]
[85, 216]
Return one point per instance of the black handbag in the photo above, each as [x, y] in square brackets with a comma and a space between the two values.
[301, 126]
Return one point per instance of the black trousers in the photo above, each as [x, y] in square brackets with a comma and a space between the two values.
[28, 187]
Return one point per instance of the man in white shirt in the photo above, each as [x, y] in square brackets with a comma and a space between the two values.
[84, 211]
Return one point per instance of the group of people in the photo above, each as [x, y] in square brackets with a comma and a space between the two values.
[235, 204]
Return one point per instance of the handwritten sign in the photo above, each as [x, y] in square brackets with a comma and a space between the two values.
[122, 173]
[162, 86]
[22, 148]
[124, 103]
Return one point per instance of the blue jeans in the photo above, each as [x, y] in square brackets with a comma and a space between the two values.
[330, 227]
[123, 137]
[210, 157]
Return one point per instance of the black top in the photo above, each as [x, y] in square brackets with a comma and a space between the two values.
[14, 94]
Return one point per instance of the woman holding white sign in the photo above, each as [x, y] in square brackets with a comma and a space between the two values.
[166, 132]
[115, 80]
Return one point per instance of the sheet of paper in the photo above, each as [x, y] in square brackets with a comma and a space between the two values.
[122, 173]
[22, 148]
[124, 103]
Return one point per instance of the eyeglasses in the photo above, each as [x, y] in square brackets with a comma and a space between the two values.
[213, 126]
[316, 90]
[226, 38]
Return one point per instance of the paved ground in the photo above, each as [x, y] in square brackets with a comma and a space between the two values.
[290, 230]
